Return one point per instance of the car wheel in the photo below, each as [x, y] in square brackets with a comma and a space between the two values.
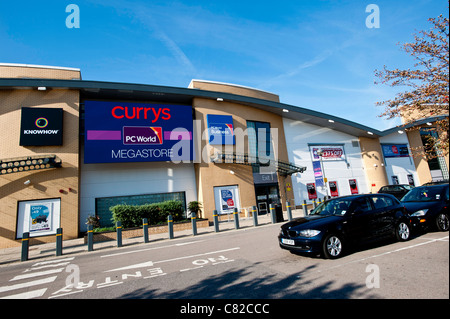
[333, 246]
[442, 222]
[403, 232]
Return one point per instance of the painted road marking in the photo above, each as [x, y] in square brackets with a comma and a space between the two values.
[37, 274]
[28, 284]
[430, 241]
[150, 263]
[27, 295]
[152, 248]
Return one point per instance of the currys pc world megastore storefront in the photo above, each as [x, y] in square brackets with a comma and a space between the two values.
[73, 148]
[133, 153]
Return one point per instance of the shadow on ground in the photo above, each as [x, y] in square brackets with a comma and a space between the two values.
[242, 284]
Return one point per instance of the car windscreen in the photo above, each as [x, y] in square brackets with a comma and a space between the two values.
[423, 194]
[336, 207]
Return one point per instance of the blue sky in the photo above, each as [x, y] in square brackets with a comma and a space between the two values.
[316, 54]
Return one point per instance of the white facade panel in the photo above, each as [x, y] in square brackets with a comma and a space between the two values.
[301, 137]
[124, 179]
[400, 167]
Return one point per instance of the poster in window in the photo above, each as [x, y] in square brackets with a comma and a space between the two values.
[226, 198]
[38, 217]
[311, 188]
[333, 188]
[353, 186]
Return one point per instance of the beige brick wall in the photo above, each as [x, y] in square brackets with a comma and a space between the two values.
[44, 183]
[209, 175]
[38, 72]
[373, 155]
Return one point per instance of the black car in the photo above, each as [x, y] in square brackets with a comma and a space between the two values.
[341, 222]
[428, 206]
[398, 190]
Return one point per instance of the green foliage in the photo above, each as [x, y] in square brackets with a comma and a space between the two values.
[195, 207]
[132, 215]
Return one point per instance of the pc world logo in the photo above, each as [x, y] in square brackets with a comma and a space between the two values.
[142, 135]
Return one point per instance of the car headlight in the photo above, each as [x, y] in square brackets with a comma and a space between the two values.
[421, 212]
[308, 233]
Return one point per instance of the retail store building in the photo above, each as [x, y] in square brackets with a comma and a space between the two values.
[72, 148]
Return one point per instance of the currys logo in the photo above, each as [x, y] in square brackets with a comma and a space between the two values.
[142, 135]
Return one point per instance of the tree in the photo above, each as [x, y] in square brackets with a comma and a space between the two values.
[428, 84]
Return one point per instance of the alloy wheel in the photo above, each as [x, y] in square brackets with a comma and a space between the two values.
[403, 231]
[334, 246]
[442, 222]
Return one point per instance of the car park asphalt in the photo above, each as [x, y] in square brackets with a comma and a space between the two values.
[237, 264]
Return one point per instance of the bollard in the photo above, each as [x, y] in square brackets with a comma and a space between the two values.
[145, 229]
[59, 242]
[170, 226]
[255, 216]
[90, 237]
[272, 213]
[236, 218]
[305, 208]
[25, 246]
[216, 221]
[289, 211]
[119, 234]
[194, 223]
[314, 203]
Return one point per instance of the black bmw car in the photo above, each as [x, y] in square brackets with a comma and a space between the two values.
[428, 207]
[341, 222]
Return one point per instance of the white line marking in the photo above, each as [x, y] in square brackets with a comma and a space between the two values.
[153, 276]
[36, 274]
[150, 263]
[47, 266]
[52, 261]
[109, 285]
[141, 265]
[28, 284]
[68, 293]
[152, 248]
[27, 295]
[197, 255]
[386, 253]
[187, 269]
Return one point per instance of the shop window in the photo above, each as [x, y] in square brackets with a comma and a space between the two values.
[260, 141]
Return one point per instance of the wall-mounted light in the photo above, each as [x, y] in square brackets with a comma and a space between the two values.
[219, 99]
[331, 121]
[429, 123]
[232, 172]
[400, 132]
[285, 111]
[42, 88]
[27, 182]
[375, 165]
[370, 133]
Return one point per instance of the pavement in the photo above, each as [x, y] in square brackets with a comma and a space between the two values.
[77, 246]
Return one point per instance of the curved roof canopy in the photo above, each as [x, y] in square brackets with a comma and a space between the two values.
[167, 94]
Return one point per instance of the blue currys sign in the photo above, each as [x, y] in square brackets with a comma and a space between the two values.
[220, 129]
[137, 132]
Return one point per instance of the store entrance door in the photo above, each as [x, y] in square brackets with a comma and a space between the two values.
[265, 195]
